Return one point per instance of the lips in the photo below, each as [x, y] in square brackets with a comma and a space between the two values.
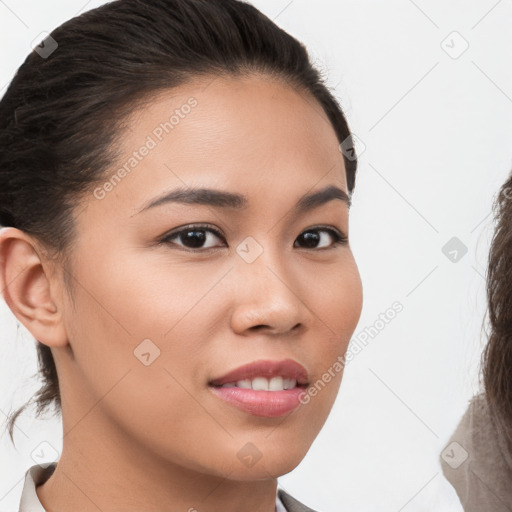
[287, 368]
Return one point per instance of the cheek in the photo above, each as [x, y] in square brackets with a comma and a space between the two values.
[138, 299]
[347, 308]
[336, 298]
[134, 313]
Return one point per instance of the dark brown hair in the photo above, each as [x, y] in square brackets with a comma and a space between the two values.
[497, 355]
[63, 112]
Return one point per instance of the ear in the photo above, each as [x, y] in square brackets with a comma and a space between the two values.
[27, 289]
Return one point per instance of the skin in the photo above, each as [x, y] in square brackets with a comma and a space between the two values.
[155, 437]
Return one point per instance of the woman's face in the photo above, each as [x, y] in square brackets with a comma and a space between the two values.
[156, 316]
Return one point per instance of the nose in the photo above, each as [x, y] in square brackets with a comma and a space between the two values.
[267, 298]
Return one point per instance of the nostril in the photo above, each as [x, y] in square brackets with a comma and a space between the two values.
[259, 327]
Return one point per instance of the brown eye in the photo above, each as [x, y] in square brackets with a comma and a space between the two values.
[193, 237]
[311, 238]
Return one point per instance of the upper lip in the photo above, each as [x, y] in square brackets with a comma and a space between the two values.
[286, 368]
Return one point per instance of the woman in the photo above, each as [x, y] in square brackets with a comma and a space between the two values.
[176, 213]
[478, 459]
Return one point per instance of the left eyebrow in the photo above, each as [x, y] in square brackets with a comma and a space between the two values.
[309, 201]
[222, 199]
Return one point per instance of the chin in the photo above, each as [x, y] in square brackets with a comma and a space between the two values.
[266, 467]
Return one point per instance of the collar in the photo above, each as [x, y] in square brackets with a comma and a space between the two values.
[34, 476]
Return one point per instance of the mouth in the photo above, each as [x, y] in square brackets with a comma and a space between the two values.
[263, 388]
[265, 375]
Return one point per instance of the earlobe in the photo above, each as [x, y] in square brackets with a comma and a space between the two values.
[26, 287]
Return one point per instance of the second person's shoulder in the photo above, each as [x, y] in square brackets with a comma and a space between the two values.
[476, 463]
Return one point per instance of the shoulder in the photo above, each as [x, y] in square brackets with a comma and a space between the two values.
[475, 463]
[291, 504]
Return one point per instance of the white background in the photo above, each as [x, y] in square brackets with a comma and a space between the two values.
[437, 138]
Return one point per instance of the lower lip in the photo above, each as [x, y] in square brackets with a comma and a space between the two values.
[268, 404]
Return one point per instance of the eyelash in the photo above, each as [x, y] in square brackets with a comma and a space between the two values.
[338, 237]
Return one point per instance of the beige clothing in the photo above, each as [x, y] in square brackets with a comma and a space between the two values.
[476, 462]
[38, 474]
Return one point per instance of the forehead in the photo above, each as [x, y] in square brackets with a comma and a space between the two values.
[251, 133]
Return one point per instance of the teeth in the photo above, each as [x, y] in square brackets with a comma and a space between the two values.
[246, 384]
[263, 384]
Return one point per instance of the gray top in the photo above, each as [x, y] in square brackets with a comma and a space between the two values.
[477, 463]
[38, 474]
